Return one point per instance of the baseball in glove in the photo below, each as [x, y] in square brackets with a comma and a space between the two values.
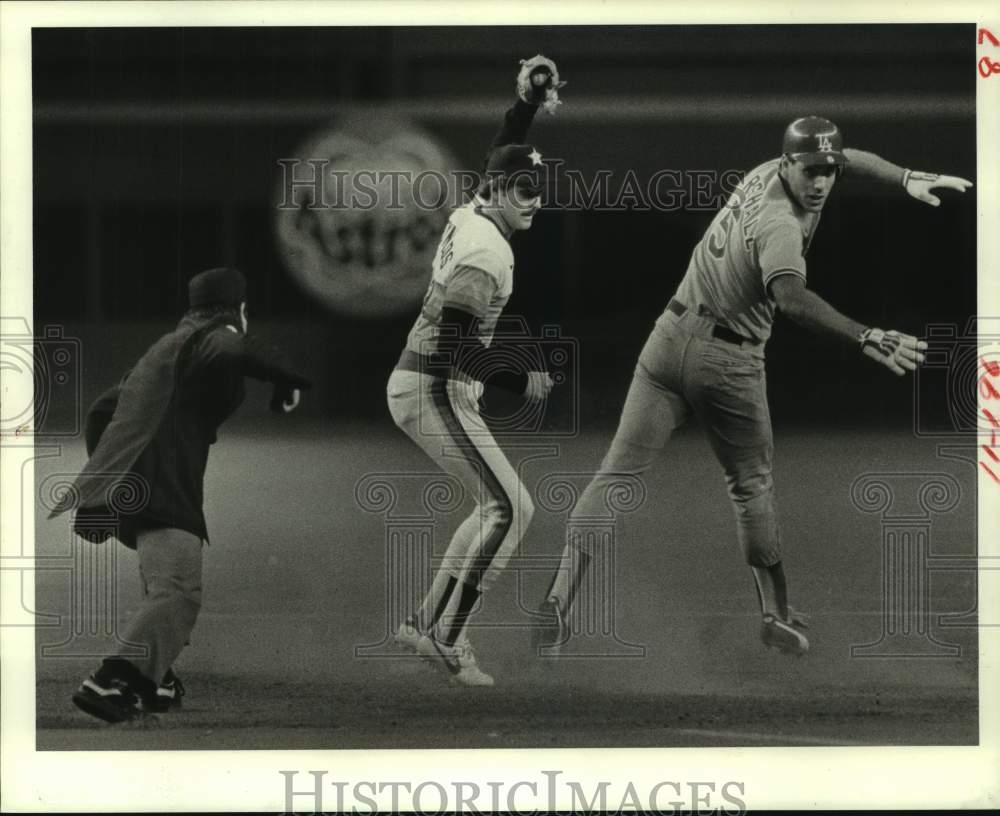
[538, 83]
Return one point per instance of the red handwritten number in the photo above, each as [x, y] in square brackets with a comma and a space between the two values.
[988, 391]
[988, 67]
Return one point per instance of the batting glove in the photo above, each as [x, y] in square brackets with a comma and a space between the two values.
[538, 83]
[919, 185]
[898, 352]
[538, 387]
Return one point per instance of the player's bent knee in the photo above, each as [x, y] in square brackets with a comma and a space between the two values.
[172, 587]
[498, 513]
[753, 505]
[753, 489]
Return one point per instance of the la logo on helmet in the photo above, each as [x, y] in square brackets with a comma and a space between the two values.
[824, 143]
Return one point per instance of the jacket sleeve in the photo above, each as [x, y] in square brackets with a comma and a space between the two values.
[227, 350]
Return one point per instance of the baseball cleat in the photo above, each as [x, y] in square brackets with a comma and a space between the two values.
[112, 703]
[785, 636]
[552, 632]
[458, 661]
[408, 635]
[469, 673]
[169, 694]
[439, 654]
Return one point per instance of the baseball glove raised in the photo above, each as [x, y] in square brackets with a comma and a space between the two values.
[538, 83]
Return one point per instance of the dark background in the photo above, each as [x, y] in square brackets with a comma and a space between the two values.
[155, 156]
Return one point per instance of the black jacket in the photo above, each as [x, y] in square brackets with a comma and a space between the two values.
[149, 437]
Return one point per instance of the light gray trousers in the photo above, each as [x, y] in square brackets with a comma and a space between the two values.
[684, 370]
[170, 563]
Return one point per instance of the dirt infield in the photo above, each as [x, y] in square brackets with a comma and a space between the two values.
[419, 711]
[290, 650]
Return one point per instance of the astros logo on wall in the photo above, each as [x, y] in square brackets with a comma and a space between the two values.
[359, 210]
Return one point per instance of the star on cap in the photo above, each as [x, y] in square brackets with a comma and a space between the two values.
[536, 157]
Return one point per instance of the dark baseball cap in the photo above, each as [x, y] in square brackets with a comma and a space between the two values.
[518, 164]
[222, 286]
[814, 140]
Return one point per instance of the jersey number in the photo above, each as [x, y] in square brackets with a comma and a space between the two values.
[719, 235]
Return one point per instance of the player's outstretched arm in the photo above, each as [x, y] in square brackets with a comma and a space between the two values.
[232, 351]
[288, 385]
[865, 165]
[896, 351]
[537, 86]
[264, 364]
[809, 310]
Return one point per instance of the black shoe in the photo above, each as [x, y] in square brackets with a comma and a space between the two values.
[169, 694]
[111, 701]
[549, 635]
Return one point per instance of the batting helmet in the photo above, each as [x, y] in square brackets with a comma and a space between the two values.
[814, 140]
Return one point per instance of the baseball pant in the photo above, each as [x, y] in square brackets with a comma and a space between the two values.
[170, 566]
[442, 417]
[683, 369]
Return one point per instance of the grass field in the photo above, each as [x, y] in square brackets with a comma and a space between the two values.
[295, 583]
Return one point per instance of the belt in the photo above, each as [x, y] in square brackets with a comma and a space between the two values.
[718, 332]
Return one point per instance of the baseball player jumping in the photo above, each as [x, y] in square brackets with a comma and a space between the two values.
[434, 390]
[705, 356]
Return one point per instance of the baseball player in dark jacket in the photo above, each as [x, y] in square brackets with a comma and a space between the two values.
[144, 481]
[705, 356]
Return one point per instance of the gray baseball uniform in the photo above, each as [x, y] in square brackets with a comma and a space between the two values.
[705, 356]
